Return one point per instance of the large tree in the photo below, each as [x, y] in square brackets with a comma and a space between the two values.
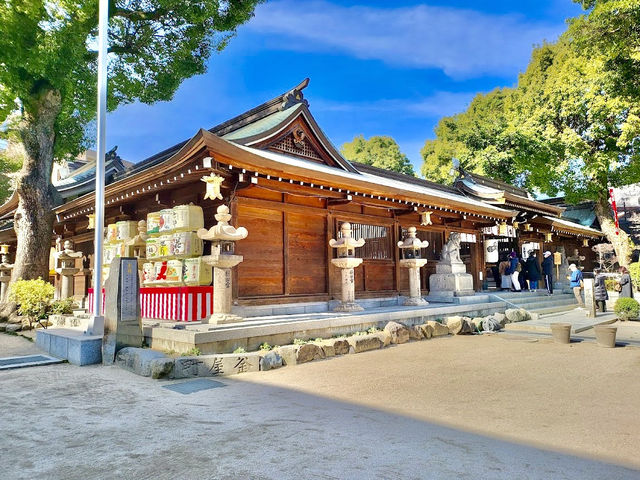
[48, 75]
[569, 128]
[379, 151]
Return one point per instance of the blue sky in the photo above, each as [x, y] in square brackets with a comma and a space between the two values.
[376, 68]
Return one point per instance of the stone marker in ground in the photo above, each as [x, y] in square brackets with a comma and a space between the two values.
[364, 343]
[221, 364]
[138, 360]
[309, 352]
[122, 320]
[288, 354]
[589, 297]
[399, 333]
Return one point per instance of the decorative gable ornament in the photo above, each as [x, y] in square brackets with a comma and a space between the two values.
[426, 218]
[213, 182]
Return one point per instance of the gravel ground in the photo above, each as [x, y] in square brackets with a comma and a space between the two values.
[490, 407]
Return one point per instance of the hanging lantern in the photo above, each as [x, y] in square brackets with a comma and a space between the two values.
[516, 225]
[548, 237]
[585, 242]
[502, 228]
[4, 249]
[92, 221]
[527, 227]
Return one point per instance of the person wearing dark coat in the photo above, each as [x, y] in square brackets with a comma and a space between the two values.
[625, 283]
[513, 271]
[533, 271]
[522, 276]
[547, 270]
[600, 290]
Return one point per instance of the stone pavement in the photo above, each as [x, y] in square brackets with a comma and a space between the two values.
[421, 410]
[576, 317]
[16, 345]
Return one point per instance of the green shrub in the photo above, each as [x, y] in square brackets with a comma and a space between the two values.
[62, 307]
[265, 346]
[33, 298]
[240, 350]
[627, 308]
[634, 271]
[194, 352]
[299, 341]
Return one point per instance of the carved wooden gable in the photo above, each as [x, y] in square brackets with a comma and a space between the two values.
[298, 140]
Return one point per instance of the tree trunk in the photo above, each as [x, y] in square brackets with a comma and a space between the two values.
[33, 220]
[622, 243]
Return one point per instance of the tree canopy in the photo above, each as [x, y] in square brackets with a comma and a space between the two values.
[567, 127]
[379, 151]
[48, 64]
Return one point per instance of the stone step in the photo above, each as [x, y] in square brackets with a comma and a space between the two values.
[536, 305]
[545, 312]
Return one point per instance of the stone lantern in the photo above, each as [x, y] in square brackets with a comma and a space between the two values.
[66, 266]
[347, 261]
[5, 273]
[222, 237]
[137, 246]
[410, 253]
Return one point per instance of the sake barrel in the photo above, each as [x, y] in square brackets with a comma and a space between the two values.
[160, 271]
[105, 274]
[188, 218]
[167, 220]
[165, 246]
[187, 244]
[196, 272]
[127, 229]
[152, 247]
[148, 273]
[109, 252]
[112, 233]
[153, 223]
[174, 272]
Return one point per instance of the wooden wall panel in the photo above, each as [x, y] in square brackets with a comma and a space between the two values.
[307, 254]
[379, 276]
[262, 271]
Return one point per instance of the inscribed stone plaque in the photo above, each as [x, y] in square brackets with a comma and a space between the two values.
[122, 322]
[589, 297]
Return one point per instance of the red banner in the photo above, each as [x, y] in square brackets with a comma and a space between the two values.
[615, 211]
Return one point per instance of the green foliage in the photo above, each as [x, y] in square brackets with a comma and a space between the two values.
[627, 308]
[373, 330]
[33, 298]
[194, 352]
[62, 307]
[634, 272]
[265, 347]
[240, 350]
[610, 284]
[154, 46]
[299, 341]
[378, 151]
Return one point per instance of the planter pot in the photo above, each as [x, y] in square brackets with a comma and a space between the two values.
[606, 335]
[561, 332]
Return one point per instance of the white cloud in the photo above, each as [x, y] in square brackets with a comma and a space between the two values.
[462, 43]
[436, 105]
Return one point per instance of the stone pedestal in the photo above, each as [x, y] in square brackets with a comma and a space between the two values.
[4, 286]
[415, 297]
[348, 291]
[66, 284]
[222, 291]
[590, 297]
[451, 280]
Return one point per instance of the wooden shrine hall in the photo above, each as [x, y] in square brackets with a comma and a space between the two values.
[285, 182]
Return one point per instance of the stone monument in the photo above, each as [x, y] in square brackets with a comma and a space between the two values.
[5, 273]
[122, 320]
[590, 297]
[222, 237]
[346, 261]
[451, 278]
[410, 250]
[65, 263]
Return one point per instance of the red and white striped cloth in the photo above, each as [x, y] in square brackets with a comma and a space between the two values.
[178, 304]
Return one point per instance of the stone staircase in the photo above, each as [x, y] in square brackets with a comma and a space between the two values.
[538, 302]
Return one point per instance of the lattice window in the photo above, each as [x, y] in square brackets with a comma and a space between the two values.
[377, 241]
[287, 145]
[433, 251]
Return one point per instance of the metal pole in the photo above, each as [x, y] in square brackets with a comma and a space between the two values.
[103, 14]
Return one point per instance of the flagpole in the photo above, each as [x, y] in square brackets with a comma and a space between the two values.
[97, 327]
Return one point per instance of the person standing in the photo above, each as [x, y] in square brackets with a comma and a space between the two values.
[600, 290]
[626, 287]
[514, 271]
[533, 271]
[575, 282]
[547, 270]
[505, 278]
[522, 277]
